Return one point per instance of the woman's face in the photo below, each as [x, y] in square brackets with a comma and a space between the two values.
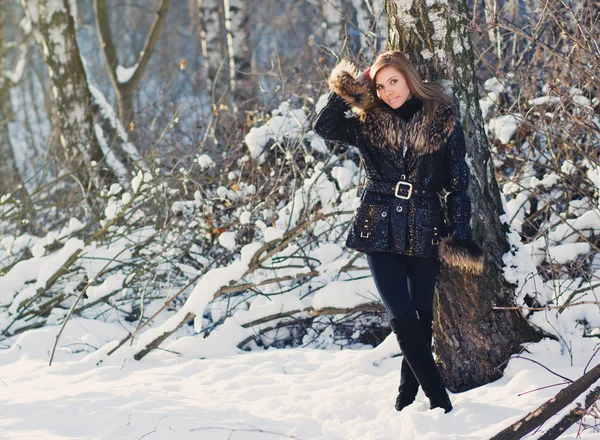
[391, 87]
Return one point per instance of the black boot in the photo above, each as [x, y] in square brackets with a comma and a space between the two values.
[417, 353]
[409, 386]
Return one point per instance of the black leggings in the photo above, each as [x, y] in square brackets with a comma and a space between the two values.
[405, 283]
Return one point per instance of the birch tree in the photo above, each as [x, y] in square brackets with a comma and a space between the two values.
[238, 51]
[127, 80]
[334, 23]
[372, 26]
[11, 179]
[213, 47]
[94, 145]
[56, 35]
[473, 341]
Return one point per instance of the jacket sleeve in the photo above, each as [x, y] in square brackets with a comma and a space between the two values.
[458, 249]
[347, 92]
[332, 122]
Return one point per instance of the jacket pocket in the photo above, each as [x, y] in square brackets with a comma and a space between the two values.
[371, 224]
[428, 228]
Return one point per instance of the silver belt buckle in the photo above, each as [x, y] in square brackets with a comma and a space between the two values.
[401, 182]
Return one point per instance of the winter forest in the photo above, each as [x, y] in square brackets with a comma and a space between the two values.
[172, 259]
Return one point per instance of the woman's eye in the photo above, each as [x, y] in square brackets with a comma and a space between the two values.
[393, 81]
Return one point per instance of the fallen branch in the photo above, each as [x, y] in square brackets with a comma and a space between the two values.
[573, 416]
[536, 418]
[265, 252]
[367, 307]
[156, 342]
[149, 320]
[70, 261]
[564, 306]
[85, 289]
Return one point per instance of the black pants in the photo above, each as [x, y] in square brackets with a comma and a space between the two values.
[405, 283]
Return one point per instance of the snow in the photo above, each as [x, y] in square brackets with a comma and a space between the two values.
[504, 127]
[581, 100]
[293, 393]
[346, 294]
[21, 273]
[227, 240]
[49, 268]
[286, 122]
[200, 384]
[205, 162]
[566, 253]
[544, 100]
[568, 167]
[271, 234]
[111, 284]
[344, 176]
[109, 114]
[124, 74]
[245, 217]
[16, 75]
[316, 142]
[328, 252]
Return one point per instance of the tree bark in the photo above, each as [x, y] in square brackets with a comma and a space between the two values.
[241, 81]
[74, 118]
[536, 418]
[573, 416]
[10, 179]
[472, 341]
[126, 89]
[213, 48]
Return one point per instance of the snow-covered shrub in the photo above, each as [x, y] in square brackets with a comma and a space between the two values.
[542, 120]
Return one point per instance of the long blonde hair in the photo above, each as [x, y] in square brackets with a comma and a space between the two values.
[430, 93]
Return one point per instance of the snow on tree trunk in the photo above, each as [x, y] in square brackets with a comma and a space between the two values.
[69, 88]
[334, 22]
[238, 50]
[472, 340]
[10, 178]
[212, 42]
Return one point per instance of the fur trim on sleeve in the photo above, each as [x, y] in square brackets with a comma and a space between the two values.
[343, 82]
[463, 254]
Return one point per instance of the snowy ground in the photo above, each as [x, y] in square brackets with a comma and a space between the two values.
[261, 395]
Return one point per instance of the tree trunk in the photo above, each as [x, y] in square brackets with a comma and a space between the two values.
[334, 22]
[10, 178]
[74, 119]
[213, 48]
[472, 341]
[370, 20]
[242, 83]
[126, 87]
[491, 15]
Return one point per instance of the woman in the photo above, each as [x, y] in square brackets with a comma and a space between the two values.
[412, 144]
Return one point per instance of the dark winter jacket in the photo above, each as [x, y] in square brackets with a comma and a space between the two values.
[401, 209]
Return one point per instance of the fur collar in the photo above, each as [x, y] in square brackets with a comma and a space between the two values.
[384, 126]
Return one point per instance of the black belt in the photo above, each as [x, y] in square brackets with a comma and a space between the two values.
[401, 189]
